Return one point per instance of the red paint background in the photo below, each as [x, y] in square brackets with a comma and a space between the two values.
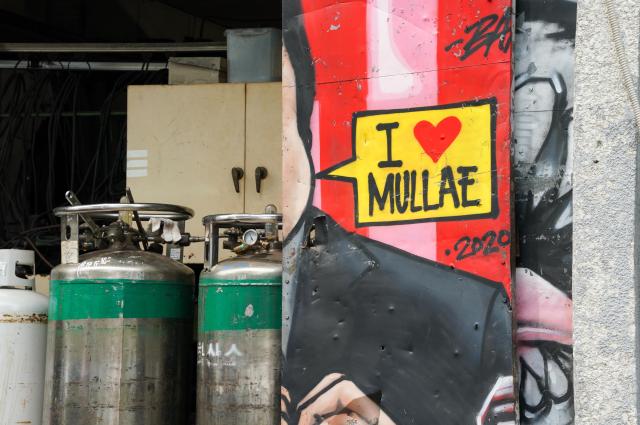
[340, 61]
[478, 77]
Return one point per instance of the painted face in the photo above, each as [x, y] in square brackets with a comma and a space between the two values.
[544, 83]
[297, 171]
[542, 161]
[384, 101]
[408, 55]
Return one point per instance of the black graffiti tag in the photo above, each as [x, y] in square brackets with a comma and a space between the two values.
[489, 243]
[484, 34]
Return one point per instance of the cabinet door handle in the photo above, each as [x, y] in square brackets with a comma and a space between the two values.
[237, 173]
[261, 174]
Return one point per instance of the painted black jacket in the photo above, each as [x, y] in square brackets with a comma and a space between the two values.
[424, 341]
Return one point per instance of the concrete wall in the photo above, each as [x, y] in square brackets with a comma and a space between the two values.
[605, 217]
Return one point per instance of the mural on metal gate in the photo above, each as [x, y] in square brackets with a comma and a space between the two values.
[544, 62]
[397, 265]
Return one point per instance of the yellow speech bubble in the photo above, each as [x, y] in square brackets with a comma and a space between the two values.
[422, 164]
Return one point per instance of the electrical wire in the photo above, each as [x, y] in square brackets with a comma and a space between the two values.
[45, 150]
[37, 251]
[623, 63]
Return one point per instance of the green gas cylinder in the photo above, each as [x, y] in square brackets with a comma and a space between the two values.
[239, 323]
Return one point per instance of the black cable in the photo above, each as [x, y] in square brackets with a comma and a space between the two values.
[37, 251]
[44, 150]
[72, 160]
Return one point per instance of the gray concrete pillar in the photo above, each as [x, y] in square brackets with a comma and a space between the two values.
[605, 221]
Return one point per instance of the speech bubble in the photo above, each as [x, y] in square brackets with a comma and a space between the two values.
[422, 164]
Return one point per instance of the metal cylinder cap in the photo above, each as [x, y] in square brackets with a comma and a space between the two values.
[228, 220]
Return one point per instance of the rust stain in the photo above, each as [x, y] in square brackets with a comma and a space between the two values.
[23, 318]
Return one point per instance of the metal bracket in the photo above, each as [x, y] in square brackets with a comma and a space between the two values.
[69, 245]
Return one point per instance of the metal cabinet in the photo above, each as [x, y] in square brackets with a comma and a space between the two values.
[184, 141]
[263, 146]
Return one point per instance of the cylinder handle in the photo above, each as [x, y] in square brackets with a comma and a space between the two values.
[10, 259]
[111, 210]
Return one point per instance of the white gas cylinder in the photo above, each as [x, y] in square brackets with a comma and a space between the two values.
[23, 338]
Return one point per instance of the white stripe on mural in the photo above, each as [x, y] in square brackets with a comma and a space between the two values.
[403, 56]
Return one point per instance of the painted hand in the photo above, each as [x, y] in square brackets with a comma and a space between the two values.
[335, 401]
[545, 349]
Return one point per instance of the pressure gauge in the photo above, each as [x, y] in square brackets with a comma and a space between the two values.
[250, 237]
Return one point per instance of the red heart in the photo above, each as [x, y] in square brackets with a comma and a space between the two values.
[436, 140]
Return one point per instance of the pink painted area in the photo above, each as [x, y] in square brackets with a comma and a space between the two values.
[418, 239]
[402, 43]
[315, 152]
[402, 38]
[544, 312]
